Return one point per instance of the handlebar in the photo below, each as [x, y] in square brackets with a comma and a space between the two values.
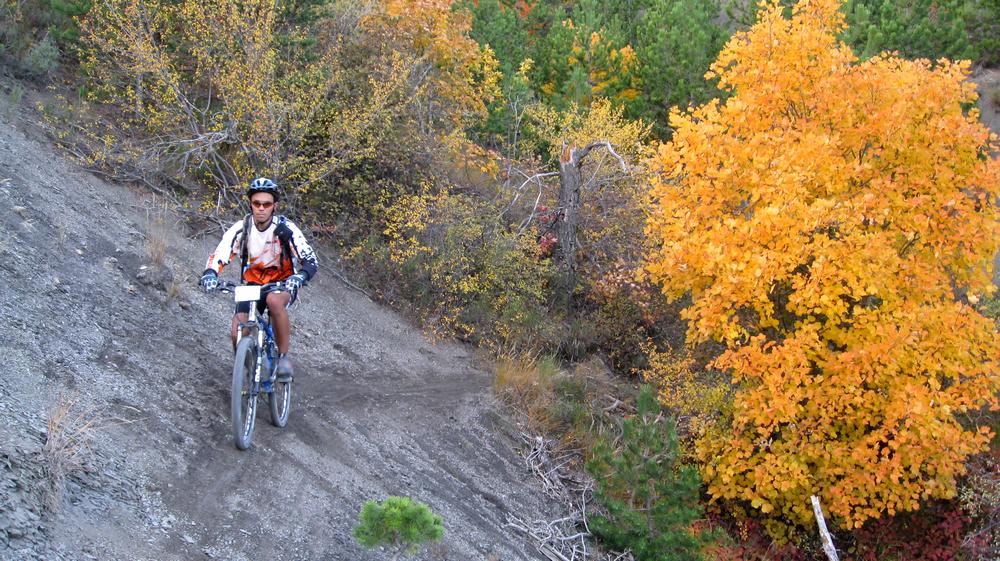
[227, 287]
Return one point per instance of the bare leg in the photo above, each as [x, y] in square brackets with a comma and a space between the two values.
[237, 319]
[276, 302]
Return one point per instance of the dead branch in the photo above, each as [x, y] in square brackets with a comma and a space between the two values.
[828, 547]
[614, 405]
[566, 538]
[579, 155]
[556, 482]
[570, 185]
[555, 539]
[537, 179]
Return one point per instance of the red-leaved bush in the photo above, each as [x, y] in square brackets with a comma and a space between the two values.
[933, 533]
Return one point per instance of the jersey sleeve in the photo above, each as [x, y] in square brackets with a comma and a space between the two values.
[226, 250]
[308, 264]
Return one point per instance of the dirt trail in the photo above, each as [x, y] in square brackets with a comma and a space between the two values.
[86, 314]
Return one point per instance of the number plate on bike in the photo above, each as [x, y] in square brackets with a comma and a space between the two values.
[247, 293]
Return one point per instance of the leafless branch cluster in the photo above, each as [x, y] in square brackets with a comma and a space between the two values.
[566, 538]
[558, 540]
[558, 482]
[519, 191]
[116, 165]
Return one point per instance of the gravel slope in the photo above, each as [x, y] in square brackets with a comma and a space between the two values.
[86, 316]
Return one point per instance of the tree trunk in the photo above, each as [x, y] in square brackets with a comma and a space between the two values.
[570, 183]
[569, 220]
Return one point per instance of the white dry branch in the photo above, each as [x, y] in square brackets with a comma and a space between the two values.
[828, 547]
[555, 539]
[535, 179]
[566, 538]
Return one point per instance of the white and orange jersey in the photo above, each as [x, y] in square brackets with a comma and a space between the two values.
[264, 260]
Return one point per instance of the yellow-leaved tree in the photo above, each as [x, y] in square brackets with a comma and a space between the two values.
[831, 219]
[460, 76]
[224, 90]
[202, 84]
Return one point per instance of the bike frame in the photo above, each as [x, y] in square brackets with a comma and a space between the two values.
[259, 327]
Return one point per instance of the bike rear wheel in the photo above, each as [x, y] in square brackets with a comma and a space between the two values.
[243, 405]
[280, 402]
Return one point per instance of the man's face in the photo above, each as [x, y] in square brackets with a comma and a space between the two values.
[262, 205]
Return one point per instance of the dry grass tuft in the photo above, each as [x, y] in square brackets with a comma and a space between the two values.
[159, 228]
[576, 405]
[61, 235]
[156, 242]
[12, 100]
[527, 382]
[994, 96]
[71, 428]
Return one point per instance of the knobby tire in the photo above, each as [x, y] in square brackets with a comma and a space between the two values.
[243, 407]
[280, 402]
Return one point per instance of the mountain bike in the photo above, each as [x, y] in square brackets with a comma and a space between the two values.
[255, 365]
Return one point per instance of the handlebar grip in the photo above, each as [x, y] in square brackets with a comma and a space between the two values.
[225, 286]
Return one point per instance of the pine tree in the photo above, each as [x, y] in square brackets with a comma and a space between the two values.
[677, 40]
[398, 522]
[498, 25]
[919, 29]
[984, 30]
[651, 499]
[63, 15]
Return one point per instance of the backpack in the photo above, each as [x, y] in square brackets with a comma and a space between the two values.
[283, 232]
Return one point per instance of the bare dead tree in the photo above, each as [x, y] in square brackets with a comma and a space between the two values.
[570, 185]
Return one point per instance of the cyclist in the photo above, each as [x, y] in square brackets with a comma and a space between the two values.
[269, 246]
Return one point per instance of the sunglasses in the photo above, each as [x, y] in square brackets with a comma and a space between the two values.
[262, 204]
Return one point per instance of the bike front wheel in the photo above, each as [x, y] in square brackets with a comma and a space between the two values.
[243, 403]
[280, 402]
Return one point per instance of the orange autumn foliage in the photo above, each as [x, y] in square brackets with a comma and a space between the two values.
[827, 220]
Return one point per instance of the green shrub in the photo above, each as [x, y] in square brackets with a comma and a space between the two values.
[463, 271]
[651, 499]
[620, 331]
[33, 31]
[13, 99]
[627, 319]
[400, 523]
[570, 408]
[15, 31]
[990, 307]
[42, 58]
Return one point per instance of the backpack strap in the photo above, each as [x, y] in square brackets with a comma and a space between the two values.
[243, 244]
[285, 236]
